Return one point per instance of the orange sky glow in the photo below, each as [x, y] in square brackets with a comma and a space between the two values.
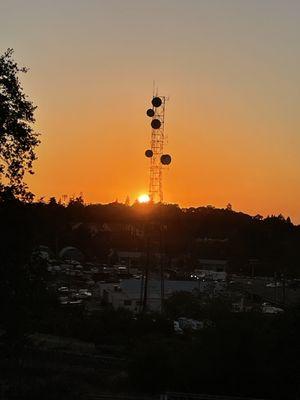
[230, 69]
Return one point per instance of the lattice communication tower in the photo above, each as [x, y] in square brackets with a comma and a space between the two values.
[156, 153]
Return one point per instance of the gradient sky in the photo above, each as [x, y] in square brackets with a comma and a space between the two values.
[230, 67]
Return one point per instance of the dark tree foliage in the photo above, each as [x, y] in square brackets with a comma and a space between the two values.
[184, 235]
[18, 140]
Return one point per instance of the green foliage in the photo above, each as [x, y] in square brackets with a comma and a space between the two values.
[17, 137]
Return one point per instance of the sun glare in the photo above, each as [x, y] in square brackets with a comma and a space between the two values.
[143, 198]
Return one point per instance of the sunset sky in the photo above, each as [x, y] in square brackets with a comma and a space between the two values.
[231, 69]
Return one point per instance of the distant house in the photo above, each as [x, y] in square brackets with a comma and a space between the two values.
[130, 258]
[135, 259]
[211, 269]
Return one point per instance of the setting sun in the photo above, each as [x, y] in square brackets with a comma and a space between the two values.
[143, 198]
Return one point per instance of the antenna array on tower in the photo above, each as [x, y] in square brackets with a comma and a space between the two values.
[156, 153]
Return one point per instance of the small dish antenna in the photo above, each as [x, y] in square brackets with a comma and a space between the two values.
[150, 112]
[165, 159]
[149, 153]
[156, 102]
[155, 123]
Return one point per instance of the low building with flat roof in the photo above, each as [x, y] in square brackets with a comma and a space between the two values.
[128, 293]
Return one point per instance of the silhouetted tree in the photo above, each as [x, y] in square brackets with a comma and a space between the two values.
[17, 137]
[52, 201]
[229, 207]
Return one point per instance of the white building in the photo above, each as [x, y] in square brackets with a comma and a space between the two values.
[127, 294]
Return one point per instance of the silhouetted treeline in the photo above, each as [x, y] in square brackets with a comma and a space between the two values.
[185, 235]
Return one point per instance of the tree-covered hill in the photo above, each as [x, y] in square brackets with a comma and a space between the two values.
[184, 234]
